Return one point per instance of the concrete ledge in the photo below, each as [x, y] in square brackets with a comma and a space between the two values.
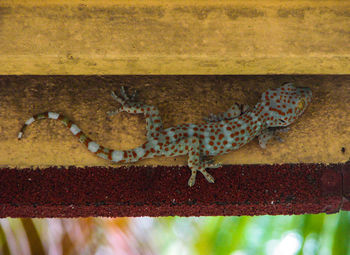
[163, 191]
[174, 37]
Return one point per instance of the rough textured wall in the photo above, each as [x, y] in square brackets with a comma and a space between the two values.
[321, 135]
[174, 37]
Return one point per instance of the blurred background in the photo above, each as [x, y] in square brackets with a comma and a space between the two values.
[274, 235]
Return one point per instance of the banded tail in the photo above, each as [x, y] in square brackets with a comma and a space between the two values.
[105, 153]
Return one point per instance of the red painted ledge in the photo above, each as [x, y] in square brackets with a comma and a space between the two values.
[163, 191]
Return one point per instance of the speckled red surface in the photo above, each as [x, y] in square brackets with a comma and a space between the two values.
[163, 191]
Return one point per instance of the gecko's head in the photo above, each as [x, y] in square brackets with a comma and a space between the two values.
[285, 104]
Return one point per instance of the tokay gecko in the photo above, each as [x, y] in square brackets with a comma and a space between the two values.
[219, 134]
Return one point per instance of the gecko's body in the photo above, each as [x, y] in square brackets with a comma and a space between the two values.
[218, 135]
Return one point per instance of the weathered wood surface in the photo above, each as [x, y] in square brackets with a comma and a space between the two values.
[174, 37]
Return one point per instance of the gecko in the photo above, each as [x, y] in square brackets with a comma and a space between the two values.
[219, 134]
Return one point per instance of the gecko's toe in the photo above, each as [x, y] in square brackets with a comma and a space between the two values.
[208, 177]
[191, 182]
[192, 179]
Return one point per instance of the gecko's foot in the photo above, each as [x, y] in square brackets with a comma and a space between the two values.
[282, 130]
[124, 98]
[262, 144]
[209, 162]
[212, 164]
[212, 118]
[278, 138]
[278, 131]
[207, 176]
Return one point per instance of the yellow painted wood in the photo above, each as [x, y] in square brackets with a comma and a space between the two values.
[174, 37]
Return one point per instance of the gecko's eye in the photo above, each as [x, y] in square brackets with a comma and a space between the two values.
[282, 121]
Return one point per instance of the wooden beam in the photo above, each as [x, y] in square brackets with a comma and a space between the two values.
[321, 135]
[163, 191]
[174, 37]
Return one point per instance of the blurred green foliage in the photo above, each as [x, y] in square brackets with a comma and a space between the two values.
[277, 235]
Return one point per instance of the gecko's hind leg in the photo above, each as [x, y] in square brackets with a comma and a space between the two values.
[195, 163]
[190, 147]
[123, 99]
[130, 105]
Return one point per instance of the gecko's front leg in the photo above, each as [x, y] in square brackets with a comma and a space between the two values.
[196, 164]
[129, 104]
[270, 133]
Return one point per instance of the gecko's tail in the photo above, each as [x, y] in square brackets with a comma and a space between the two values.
[109, 154]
